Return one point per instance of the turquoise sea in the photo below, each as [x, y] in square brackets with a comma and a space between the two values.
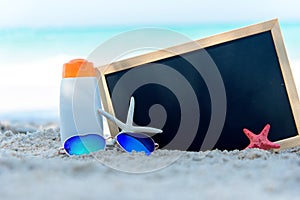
[31, 60]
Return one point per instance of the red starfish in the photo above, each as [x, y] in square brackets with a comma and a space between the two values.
[261, 140]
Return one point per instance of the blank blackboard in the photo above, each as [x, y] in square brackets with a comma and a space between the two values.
[256, 88]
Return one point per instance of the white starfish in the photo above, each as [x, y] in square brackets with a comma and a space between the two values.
[128, 127]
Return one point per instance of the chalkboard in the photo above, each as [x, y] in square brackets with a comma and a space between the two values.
[203, 95]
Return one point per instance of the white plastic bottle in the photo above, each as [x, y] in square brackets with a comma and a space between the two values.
[79, 100]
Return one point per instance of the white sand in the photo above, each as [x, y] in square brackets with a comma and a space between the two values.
[31, 167]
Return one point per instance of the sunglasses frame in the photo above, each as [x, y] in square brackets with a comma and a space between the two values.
[155, 145]
[83, 135]
[115, 142]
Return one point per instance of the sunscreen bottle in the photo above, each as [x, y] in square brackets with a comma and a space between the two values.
[79, 100]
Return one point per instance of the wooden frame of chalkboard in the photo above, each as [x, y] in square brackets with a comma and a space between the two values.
[270, 30]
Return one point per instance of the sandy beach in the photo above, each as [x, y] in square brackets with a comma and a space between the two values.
[33, 166]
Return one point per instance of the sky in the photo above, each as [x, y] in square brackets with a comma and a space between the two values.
[40, 13]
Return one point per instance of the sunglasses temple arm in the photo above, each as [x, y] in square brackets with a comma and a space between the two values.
[120, 124]
[156, 146]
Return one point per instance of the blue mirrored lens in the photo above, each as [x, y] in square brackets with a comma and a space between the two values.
[136, 142]
[84, 144]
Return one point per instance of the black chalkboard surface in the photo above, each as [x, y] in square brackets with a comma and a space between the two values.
[203, 98]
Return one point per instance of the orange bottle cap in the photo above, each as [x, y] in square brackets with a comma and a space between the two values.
[78, 68]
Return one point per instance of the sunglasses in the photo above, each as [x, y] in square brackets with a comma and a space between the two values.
[85, 144]
[131, 138]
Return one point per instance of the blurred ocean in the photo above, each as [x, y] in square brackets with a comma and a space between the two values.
[31, 61]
